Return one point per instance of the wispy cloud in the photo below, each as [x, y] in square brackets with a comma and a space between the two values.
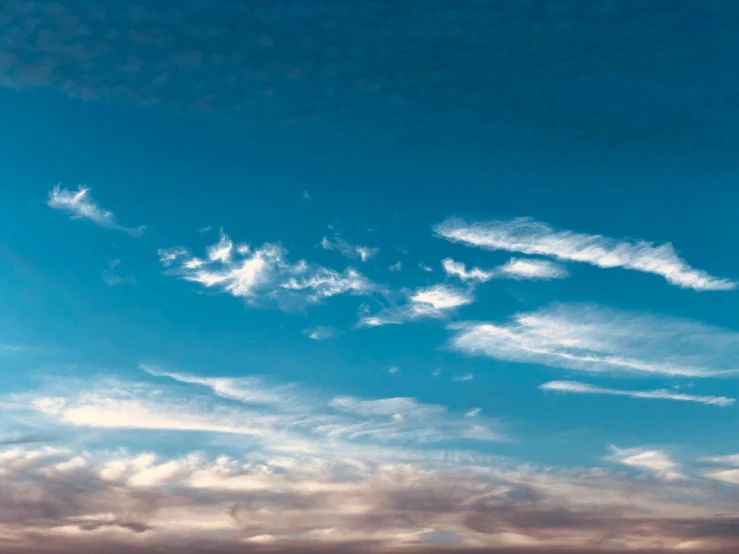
[321, 332]
[437, 301]
[262, 273]
[659, 394]
[515, 268]
[535, 238]
[277, 417]
[397, 266]
[591, 338]
[423, 267]
[351, 251]
[653, 461]
[80, 205]
[464, 378]
[112, 279]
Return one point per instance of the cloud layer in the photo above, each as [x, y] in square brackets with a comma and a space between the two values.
[595, 339]
[535, 238]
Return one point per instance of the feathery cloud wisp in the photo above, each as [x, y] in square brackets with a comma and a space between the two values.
[351, 251]
[534, 238]
[653, 461]
[262, 273]
[437, 301]
[515, 268]
[591, 338]
[659, 394]
[80, 205]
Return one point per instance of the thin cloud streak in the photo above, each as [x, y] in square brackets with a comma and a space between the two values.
[528, 236]
[79, 204]
[516, 268]
[659, 394]
[595, 339]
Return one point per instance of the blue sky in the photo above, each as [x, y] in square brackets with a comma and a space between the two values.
[314, 275]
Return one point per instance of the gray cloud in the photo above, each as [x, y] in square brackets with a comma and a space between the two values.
[58, 500]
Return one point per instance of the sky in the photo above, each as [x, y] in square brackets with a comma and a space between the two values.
[423, 277]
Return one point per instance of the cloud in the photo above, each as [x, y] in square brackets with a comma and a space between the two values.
[112, 279]
[653, 461]
[425, 267]
[321, 332]
[660, 394]
[595, 339]
[397, 266]
[534, 238]
[464, 378]
[520, 268]
[259, 274]
[351, 251]
[459, 270]
[437, 301]
[80, 205]
[65, 500]
[515, 268]
[278, 418]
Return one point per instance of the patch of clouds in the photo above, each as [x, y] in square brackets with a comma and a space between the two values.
[596, 339]
[79, 204]
[397, 266]
[656, 462]
[574, 387]
[277, 417]
[423, 267]
[435, 302]
[263, 273]
[351, 251]
[528, 236]
[464, 378]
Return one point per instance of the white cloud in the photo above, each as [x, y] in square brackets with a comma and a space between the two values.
[258, 273]
[278, 418]
[394, 370]
[426, 268]
[534, 238]
[591, 338]
[80, 205]
[397, 266]
[520, 268]
[351, 251]
[326, 282]
[465, 378]
[474, 412]
[659, 394]
[515, 268]
[653, 461]
[458, 269]
[321, 332]
[437, 301]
